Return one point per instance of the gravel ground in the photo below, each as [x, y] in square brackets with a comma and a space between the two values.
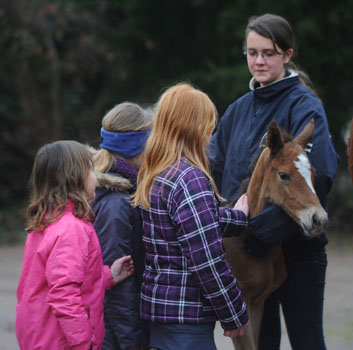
[338, 316]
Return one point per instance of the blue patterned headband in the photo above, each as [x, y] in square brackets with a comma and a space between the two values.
[127, 144]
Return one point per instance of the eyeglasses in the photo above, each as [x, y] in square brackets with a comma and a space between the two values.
[266, 54]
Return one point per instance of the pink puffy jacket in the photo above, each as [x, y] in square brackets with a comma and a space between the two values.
[61, 288]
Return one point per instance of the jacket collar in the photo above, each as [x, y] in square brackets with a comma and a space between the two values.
[269, 91]
[113, 182]
[70, 205]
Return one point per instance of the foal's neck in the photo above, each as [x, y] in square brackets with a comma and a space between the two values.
[256, 188]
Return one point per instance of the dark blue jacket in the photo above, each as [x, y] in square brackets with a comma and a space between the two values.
[239, 134]
[119, 229]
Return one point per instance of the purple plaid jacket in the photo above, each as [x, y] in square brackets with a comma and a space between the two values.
[186, 278]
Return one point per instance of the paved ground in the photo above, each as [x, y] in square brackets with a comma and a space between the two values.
[338, 300]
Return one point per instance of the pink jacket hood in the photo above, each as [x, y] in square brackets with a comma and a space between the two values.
[61, 288]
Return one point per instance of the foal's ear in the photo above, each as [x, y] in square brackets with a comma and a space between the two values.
[274, 138]
[306, 135]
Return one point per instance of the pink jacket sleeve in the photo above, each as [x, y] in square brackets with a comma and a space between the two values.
[108, 278]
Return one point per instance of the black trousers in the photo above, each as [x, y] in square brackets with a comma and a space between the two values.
[301, 297]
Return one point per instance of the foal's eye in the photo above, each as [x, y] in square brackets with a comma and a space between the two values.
[284, 176]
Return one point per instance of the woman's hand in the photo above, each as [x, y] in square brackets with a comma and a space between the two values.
[242, 204]
[122, 268]
[234, 332]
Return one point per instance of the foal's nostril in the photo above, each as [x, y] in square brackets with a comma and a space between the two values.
[315, 220]
[320, 221]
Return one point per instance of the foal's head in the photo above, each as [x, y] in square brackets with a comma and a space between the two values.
[284, 175]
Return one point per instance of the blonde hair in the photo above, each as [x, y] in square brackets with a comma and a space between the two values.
[184, 120]
[59, 173]
[124, 117]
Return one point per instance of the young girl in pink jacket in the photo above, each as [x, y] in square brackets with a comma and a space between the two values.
[63, 279]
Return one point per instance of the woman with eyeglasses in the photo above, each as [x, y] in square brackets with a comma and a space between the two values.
[278, 90]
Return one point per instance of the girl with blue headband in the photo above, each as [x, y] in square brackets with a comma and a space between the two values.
[124, 131]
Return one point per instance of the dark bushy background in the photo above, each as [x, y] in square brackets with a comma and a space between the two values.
[65, 63]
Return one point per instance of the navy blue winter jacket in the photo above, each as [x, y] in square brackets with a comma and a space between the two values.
[119, 229]
[239, 134]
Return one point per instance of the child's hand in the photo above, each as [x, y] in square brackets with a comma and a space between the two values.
[122, 268]
[242, 204]
[234, 332]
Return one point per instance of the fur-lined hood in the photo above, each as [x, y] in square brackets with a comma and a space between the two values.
[110, 181]
[113, 182]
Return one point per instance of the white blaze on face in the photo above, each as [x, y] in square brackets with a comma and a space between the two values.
[303, 166]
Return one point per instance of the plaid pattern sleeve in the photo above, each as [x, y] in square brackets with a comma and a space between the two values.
[232, 222]
[195, 212]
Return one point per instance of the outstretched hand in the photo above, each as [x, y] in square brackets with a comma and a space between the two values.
[234, 332]
[122, 268]
[242, 204]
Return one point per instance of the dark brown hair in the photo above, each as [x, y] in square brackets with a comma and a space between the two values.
[280, 32]
[59, 173]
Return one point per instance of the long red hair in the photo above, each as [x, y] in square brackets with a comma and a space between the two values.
[184, 120]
